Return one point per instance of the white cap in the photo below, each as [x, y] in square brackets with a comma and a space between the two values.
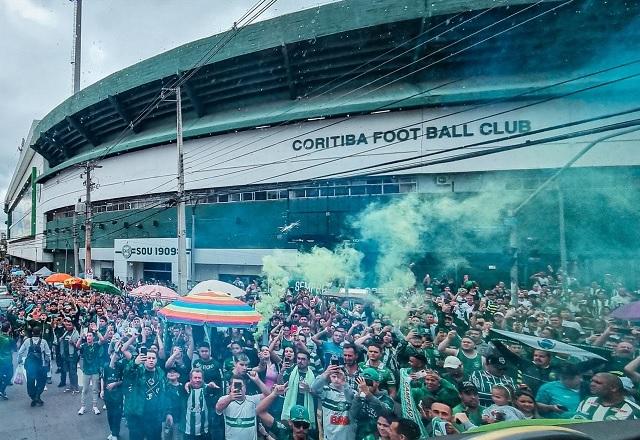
[452, 362]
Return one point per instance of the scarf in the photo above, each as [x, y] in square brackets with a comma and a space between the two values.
[291, 398]
[409, 408]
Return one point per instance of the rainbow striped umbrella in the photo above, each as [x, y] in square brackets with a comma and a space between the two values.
[213, 309]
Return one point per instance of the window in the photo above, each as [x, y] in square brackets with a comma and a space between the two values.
[248, 196]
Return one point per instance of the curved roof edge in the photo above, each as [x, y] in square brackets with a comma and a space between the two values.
[266, 34]
[393, 99]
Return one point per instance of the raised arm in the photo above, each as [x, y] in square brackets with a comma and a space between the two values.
[443, 347]
[262, 410]
[631, 370]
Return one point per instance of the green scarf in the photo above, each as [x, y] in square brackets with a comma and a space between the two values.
[409, 408]
[291, 398]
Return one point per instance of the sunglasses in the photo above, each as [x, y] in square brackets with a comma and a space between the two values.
[303, 425]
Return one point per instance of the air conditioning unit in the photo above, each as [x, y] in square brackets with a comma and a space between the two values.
[443, 180]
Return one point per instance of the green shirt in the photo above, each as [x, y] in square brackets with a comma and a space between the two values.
[475, 416]
[469, 365]
[6, 347]
[556, 393]
[90, 355]
[592, 409]
[447, 393]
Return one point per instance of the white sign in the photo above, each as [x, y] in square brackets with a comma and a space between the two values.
[129, 256]
[151, 250]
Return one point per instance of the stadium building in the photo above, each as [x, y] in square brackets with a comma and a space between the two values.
[292, 125]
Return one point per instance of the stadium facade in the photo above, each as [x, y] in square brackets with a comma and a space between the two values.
[305, 119]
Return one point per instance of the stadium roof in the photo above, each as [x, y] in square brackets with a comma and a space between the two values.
[328, 61]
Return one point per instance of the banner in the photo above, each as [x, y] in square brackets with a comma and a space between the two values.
[550, 345]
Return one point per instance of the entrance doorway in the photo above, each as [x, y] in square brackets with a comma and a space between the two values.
[157, 272]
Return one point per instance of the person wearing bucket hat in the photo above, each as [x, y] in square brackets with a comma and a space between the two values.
[296, 428]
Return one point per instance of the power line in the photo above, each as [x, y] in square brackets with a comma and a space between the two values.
[422, 68]
[386, 145]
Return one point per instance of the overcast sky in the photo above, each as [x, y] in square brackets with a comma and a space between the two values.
[36, 42]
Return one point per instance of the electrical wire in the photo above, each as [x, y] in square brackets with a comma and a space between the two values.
[386, 145]
[422, 68]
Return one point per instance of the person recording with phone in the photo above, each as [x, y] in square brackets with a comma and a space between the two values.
[145, 405]
[239, 411]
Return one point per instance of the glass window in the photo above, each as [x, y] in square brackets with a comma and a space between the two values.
[374, 189]
[235, 197]
[342, 190]
[391, 188]
[407, 187]
[260, 195]
[312, 192]
[297, 193]
[358, 190]
[327, 192]
[223, 198]
[272, 195]
[247, 196]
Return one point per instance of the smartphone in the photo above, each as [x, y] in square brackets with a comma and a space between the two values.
[143, 351]
[334, 360]
[237, 387]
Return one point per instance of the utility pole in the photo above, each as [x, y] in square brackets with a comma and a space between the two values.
[77, 44]
[89, 186]
[182, 222]
[76, 245]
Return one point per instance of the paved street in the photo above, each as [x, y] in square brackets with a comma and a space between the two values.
[57, 419]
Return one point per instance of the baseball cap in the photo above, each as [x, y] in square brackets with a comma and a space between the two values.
[299, 413]
[371, 374]
[451, 362]
[467, 386]
[498, 361]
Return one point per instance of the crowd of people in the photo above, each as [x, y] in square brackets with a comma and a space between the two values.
[329, 367]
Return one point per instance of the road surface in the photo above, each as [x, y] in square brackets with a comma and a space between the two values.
[57, 419]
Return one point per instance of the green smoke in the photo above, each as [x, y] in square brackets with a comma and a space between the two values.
[405, 229]
[321, 268]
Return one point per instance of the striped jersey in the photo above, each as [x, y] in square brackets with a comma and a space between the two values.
[196, 417]
[591, 409]
[336, 423]
[485, 381]
[240, 418]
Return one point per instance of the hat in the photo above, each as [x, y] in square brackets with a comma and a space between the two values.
[299, 413]
[452, 362]
[498, 361]
[371, 374]
[467, 386]
[499, 313]
[420, 357]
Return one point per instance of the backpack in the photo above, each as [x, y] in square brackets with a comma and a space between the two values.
[34, 355]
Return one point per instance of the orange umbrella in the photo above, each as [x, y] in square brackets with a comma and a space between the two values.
[57, 278]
